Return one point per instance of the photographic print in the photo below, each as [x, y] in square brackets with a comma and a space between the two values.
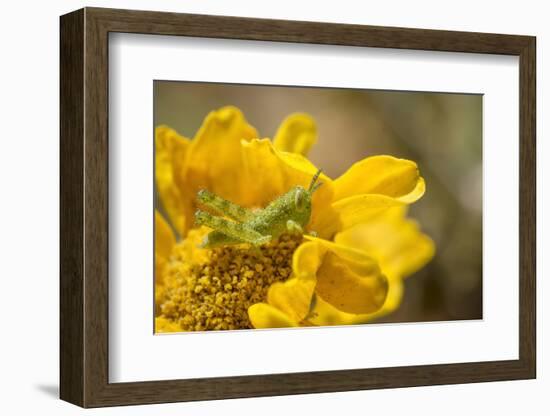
[359, 186]
[282, 206]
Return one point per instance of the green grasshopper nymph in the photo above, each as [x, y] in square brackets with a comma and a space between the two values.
[290, 213]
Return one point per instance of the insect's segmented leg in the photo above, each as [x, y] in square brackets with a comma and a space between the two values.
[238, 231]
[293, 227]
[217, 239]
[223, 206]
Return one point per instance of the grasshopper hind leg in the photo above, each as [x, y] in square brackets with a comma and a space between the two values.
[233, 231]
[217, 239]
[223, 206]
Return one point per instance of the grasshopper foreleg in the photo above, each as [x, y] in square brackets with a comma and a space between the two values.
[293, 227]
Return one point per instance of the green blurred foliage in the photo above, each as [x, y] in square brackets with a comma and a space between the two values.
[442, 132]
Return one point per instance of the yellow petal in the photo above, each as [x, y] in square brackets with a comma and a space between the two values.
[270, 173]
[395, 241]
[343, 276]
[170, 152]
[163, 324]
[263, 315]
[393, 300]
[347, 278]
[415, 194]
[349, 286]
[325, 222]
[297, 134]
[292, 297]
[384, 175]
[160, 264]
[347, 253]
[164, 238]
[160, 296]
[325, 314]
[400, 249]
[214, 161]
[164, 242]
[359, 209]
[306, 260]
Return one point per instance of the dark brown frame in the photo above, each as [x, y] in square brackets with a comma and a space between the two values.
[84, 207]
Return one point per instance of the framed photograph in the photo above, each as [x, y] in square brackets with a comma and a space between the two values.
[260, 207]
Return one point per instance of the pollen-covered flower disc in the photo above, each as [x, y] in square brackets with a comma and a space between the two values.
[243, 266]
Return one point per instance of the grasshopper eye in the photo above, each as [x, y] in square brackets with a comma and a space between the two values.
[300, 199]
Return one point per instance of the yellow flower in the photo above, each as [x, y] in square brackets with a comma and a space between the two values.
[349, 273]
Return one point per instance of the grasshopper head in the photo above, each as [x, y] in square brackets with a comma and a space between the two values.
[302, 199]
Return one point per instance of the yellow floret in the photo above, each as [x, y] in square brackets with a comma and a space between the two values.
[215, 290]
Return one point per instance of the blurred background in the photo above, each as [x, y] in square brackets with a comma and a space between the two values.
[441, 132]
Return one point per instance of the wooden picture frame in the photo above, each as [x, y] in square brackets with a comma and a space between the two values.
[84, 207]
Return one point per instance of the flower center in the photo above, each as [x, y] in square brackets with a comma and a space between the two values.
[211, 289]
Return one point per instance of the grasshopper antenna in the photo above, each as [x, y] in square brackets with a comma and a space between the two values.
[313, 186]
